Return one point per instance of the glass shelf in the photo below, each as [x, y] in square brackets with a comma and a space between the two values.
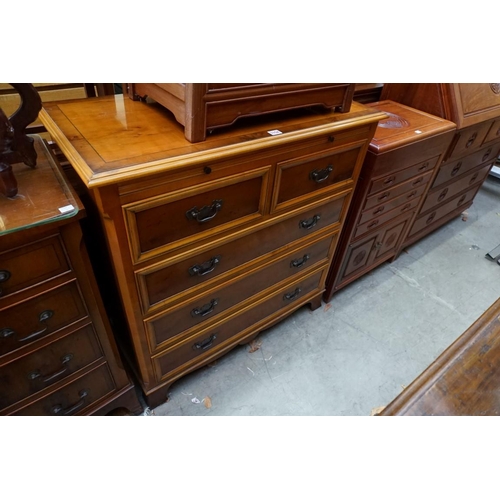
[43, 194]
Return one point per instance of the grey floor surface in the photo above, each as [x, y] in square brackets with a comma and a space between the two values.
[376, 335]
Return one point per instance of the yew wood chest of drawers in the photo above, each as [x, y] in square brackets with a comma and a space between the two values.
[202, 107]
[213, 242]
[401, 162]
[475, 109]
[57, 353]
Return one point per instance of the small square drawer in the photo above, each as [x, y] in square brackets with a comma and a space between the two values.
[234, 292]
[469, 140]
[438, 196]
[32, 264]
[40, 316]
[418, 171]
[36, 371]
[299, 179]
[73, 398]
[160, 283]
[214, 339]
[160, 223]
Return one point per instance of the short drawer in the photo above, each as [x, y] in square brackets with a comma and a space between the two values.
[388, 181]
[493, 133]
[384, 217]
[75, 397]
[160, 283]
[469, 140]
[32, 264]
[210, 341]
[210, 305]
[190, 214]
[408, 188]
[305, 177]
[450, 171]
[378, 210]
[38, 317]
[461, 184]
[32, 373]
[454, 204]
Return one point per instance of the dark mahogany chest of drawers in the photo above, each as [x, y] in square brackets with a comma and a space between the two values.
[400, 164]
[212, 243]
[57, 354]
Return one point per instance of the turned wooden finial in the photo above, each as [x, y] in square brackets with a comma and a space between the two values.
[15, 145]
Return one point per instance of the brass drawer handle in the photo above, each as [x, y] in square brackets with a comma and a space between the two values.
[486, 155]
[471, 140]
[293, 295]
[205, 267]
[444, 192]
[300, 262]
[59, 410]
[309, 223]
[206, 213]
[4, 276]
[321, 175]
[44, 316]
[456, 169]
[205, 310]
[47, 378]
[205, 344]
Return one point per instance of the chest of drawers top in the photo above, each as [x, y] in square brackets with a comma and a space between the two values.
[113, 139]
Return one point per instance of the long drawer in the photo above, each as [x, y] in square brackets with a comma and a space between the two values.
[235, 292]
[160, 283]
[41, 369]
[214, 339]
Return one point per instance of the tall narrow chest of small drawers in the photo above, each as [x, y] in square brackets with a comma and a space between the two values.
[57, 353]
[212, 242]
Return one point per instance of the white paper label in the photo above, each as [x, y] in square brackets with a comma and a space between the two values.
[418, 131]
[66, 209]
[274, 132]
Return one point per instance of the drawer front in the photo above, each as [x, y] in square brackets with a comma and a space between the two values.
[469, 140]
[454, 204]
[493, 133]
[378, 210]
[388, 181]
[384, 217]
[210, 305]
[442, 195]
[208, 342]
[34, 372]
[408, 188]
[32, 264]
[311, 175]
[158, 285]
[38, 317]
[195, 213]
[74, 397]
[452, 170]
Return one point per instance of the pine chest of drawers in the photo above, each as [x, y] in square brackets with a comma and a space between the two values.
[475, 109]
[401, 162]
[57, 353]
[214, 242]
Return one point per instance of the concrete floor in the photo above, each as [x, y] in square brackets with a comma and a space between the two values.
[358, 352]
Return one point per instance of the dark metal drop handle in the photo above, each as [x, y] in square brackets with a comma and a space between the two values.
[443, 194]
[390, 180]
[470, 142]
[310, 223]
[44, 316]
[423, 167]
[456, 169]
[205, 310]
[379, 210]
[293, 295]
[206, 343]
[321, 175]
[486, 155]
[300, 262]
[384, 196]
[59, 410]
[461, 200]
[205, 213]
[47, 378]
[418, 181]
[430, 218]
[373, 224]
[6, 332]
[4, 276]
[205, 268]
[406, 207]
[412, 195]
[474, 177]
